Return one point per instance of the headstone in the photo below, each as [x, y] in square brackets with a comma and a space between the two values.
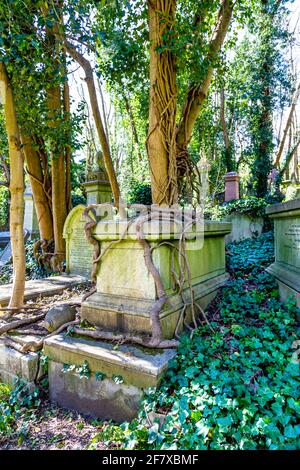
[30, 218]
[79, 252]
[286, 268]
[232, 186]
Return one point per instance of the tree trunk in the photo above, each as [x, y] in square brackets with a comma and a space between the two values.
[42, 200]
[198, 91]
[287, 126]
[68, 145]
[89, 78]
[161, 140]
[58, 180]
[16, 190]
[228, 147]
[57, 153]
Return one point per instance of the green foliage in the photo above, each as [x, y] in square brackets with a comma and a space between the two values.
[139, 193]
[251, 205]
[20, 401]
[4, 206]
[83, 371]
[237, 388]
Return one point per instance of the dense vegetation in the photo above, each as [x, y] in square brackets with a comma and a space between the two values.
[237, 388]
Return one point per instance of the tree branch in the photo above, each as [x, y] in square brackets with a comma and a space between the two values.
[198, 92]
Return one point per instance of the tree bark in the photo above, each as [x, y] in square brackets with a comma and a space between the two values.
[58, 163]
[16, 190]
[161, 140]
[68, 145]
[228, 147]
[38, 181]
[198, 92]
[89, 78]
[287, 126]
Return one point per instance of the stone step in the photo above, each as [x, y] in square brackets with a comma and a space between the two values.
[42, 287]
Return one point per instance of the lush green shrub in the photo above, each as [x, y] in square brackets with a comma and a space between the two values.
[251, 206]
[140, 193]
[4, 206]
[21, 401]
[236, 388]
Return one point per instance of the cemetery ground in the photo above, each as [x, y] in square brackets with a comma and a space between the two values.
[236, 387]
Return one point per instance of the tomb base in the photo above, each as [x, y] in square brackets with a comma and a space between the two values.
[114, 387]
[286, 268]
[126, 291]
[15, 365]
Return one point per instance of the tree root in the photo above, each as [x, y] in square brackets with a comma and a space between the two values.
[39, 344]
[25, 321]
[125, 338]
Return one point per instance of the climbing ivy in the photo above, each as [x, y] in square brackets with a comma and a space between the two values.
[237, 388]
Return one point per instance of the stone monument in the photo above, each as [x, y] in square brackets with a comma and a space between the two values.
[125, 297]
[286, 267]
[79, 252]
[232, 186]
[30, 218]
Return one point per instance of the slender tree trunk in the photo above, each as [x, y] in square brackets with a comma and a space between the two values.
[58, 170]
[89, 78]
[42, 200]
[68, 145]
[161, 140]
[197, 92]
[228, 147]
[16, 190]
[57, 153]
[287, 126]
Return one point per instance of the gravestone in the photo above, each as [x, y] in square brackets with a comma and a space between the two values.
[79, 252]
[30, 218]
[286, 267]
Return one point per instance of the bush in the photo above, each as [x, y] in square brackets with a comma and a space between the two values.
[252, 206]
[140, 193]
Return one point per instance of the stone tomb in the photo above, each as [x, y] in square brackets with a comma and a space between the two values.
[79, 252]
[286, 268]
[126, 290]
[123, 302]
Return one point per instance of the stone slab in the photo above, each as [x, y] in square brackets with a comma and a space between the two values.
[79, 252]
[106, 399]
[42, 287]
[283, 209]
[14, 364]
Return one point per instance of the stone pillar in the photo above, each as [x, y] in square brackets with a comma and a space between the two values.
[30, 218]
[232, 186]
[98, 191]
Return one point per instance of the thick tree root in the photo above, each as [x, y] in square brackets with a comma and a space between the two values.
[125, 338]
[25, 321]
[39, 344]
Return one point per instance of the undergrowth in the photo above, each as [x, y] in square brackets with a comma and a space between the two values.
[237, 388]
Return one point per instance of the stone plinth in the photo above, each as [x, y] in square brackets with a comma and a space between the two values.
[79, 252]
[286, 268]
[98, 191]
[232, 191]
[14, 365]
[30, 218]
[126, 290]
[243, 226]
[126, 372]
